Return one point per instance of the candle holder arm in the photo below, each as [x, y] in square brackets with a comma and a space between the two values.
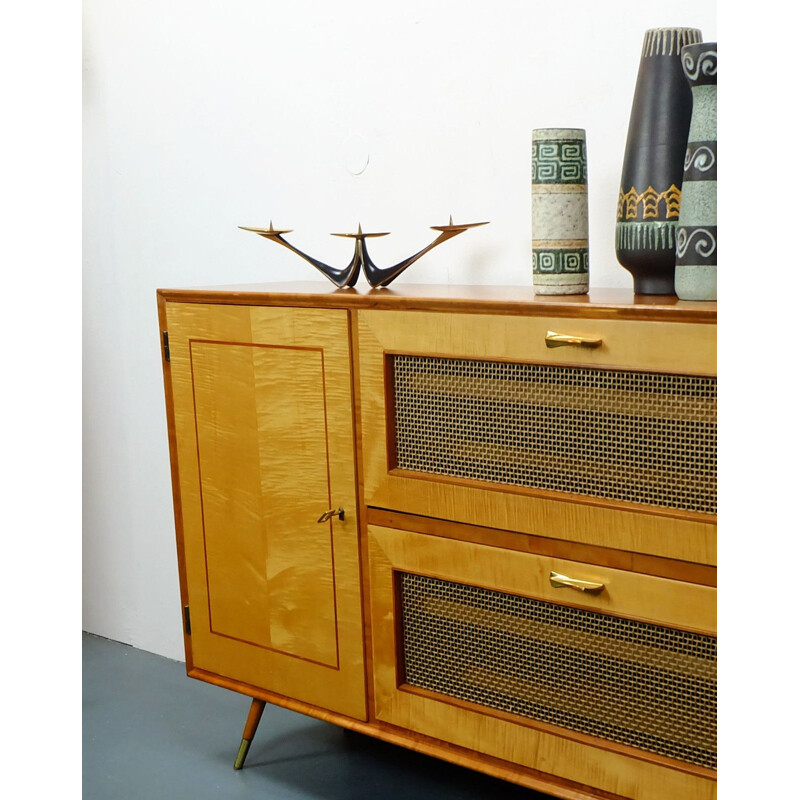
[378, 278]
[346, 276]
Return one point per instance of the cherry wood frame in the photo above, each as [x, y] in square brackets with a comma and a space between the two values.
[690, 565]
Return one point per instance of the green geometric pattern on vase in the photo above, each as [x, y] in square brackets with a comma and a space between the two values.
[561, 261]
[558, 161]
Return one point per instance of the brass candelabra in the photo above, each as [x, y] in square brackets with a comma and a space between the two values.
[376, 276]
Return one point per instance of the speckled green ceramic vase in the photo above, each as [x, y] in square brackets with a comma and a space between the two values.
[696, 239]
[559, 211]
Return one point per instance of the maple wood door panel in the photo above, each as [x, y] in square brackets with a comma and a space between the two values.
[264, 425]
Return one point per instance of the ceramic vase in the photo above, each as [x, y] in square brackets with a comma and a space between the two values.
[652, 171]
[696, 239]
[559, 211]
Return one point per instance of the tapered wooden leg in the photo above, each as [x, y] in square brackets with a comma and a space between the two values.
[250, 727]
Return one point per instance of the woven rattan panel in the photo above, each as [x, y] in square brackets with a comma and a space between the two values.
[642, 685]
[634, 436]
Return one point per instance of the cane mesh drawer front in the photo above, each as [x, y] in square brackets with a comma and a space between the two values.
[639, 437]
[639, 684]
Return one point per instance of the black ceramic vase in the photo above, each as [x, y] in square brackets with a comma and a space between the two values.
[652, 170]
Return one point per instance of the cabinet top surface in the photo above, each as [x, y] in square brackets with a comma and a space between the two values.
[517, 300]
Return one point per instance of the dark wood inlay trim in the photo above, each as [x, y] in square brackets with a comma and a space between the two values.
[658, 566]
[514, 300]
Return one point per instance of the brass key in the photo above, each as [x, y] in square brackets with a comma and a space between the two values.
[332, 512]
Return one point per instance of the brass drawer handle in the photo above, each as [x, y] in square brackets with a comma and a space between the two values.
[553, 339]
[562, 581]
[332, 512]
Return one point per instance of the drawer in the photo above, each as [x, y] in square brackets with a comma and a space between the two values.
[497, 651]
[474, 418]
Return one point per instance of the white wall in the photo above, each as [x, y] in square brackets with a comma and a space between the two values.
[200, 116]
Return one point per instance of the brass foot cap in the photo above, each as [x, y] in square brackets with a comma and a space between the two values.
[242, 754]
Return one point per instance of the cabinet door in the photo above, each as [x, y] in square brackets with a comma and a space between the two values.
[498, 651]
[263, 425]
[480, 419]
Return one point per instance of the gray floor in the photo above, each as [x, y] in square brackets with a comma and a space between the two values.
[149, 732]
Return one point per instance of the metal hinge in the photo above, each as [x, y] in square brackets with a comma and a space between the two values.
[165, 338]
[187, 621]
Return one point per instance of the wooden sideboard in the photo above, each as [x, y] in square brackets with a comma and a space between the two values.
[470, 521]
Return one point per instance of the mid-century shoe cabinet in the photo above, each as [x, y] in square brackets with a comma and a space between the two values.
[471, 521]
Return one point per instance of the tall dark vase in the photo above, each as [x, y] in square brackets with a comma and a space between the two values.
[652, 170]
[696, 247]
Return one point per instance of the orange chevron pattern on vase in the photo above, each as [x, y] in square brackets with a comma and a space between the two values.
[629, 203]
